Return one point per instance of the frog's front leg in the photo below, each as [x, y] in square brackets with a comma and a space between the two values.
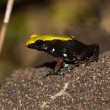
[57, 68]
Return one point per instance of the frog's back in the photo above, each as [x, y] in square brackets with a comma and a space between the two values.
[51, 37]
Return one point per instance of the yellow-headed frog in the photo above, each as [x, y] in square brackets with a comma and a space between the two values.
[66, 49]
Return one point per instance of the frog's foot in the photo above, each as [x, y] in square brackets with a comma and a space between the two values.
[53, 73]
[48, 74]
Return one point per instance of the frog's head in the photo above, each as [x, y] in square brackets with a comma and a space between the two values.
[35, 42]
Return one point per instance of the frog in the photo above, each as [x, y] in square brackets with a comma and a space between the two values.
[66, 49]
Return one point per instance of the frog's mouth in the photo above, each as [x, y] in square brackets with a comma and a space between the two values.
[34, 46]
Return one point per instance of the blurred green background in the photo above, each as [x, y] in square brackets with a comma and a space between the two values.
[49, 16]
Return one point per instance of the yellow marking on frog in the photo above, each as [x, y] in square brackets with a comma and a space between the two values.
[36, 37]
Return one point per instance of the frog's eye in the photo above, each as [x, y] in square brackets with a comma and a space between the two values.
[39, 42]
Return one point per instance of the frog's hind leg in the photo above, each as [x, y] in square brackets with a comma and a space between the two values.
[89, 54]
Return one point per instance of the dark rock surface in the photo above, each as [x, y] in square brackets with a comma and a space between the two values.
[86, 87]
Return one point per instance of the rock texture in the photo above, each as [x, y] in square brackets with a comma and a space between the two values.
[86, 87]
